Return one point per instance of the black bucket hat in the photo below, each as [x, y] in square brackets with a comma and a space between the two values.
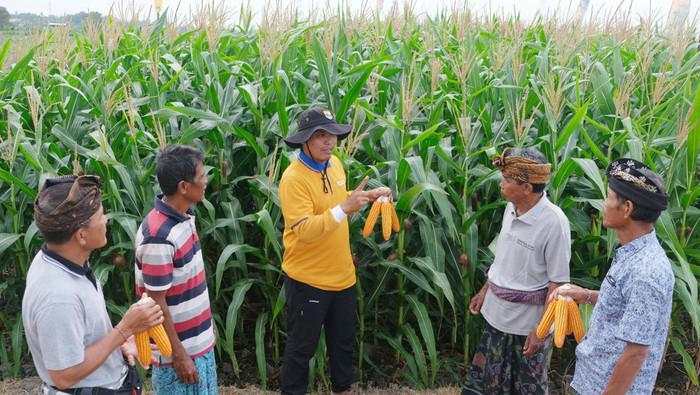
[312, 120]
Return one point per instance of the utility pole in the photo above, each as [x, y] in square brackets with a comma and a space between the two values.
[582, 8]
[679, 12]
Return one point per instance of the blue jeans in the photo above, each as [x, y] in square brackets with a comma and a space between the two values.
[166, 382]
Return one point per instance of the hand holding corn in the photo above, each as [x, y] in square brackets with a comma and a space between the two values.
[141, 315]
[376, 193]
[578, 294]
[150, 330]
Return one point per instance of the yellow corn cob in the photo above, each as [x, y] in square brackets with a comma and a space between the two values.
[546, 322]
[371, 218]
[386, 220]
[575, 322]
[161, 338]
[560, 321]
[395, 224]
[143, 346]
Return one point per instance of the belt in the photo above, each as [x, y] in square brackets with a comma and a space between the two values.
[538, 297]
[130, 386]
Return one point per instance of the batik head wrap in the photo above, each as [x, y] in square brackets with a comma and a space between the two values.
[522, 169]
[81, 203]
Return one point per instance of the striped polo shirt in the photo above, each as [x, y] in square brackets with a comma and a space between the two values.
[169, 257]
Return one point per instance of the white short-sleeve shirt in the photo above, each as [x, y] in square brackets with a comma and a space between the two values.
[532, 250]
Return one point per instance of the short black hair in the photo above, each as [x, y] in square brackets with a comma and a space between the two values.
[49, 199]
[640, 213]
[533, 154]
[177, 163]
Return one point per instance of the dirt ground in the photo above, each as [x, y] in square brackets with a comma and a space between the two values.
[669, 381]
[31, 385]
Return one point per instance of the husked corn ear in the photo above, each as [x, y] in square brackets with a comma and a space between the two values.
[158, 334]
[546, 321]
[143, 347]
[575, 322]
[386, 220]
[371, 218]
[395, 224]
[560, 321]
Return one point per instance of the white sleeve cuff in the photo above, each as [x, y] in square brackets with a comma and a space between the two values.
[338, 213]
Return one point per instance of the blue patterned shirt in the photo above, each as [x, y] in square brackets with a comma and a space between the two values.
[634, 306]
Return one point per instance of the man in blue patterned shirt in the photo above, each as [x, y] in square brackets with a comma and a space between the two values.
[624, 346]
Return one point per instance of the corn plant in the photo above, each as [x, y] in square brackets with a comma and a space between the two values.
[431, 101]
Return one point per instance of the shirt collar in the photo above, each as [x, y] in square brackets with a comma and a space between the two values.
[635, 245]
[311, 163]
[531, 215]
[70, 266]
[166, 209]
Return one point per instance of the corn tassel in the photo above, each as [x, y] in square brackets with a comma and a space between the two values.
[371, 218]
[386, 220]
[547, 320]
[575, 322]
[161, 338]
[395, 224]
[143, 346]
[560, 321]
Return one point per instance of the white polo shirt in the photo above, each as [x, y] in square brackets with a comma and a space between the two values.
[64, 312]
[532, 250]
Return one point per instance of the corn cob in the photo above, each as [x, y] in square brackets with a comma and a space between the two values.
[161, 338]
[371, 218]
[143, 346]
[575, 322]
[560, 321]
[547, 320]
[395, 224]
[386, 219]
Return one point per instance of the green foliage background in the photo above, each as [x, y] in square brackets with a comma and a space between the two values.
[430, 101]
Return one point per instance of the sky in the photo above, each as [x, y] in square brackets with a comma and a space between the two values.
[525, 8]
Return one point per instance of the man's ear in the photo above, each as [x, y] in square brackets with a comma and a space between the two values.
[629, 207]
[81, 237]
[182, 187]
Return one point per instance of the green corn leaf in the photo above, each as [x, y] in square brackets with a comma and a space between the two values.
[260, 358]
[426, 330]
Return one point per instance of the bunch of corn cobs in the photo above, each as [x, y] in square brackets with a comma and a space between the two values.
[390, 220]
[143, 343]
[563, 313]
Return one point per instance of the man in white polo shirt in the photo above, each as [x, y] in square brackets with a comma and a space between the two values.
[531, 260]
[73, 344]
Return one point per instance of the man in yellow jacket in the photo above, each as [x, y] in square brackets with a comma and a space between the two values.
[320, 274]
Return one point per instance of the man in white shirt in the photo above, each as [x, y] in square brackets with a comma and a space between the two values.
[531, 260]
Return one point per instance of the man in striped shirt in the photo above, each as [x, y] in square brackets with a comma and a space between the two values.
[169, 266]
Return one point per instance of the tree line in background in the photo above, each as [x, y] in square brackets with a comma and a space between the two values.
[25, 21]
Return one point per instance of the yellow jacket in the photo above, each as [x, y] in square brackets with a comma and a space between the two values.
[316, 245]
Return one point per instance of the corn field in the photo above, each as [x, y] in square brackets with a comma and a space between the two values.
[431, 100]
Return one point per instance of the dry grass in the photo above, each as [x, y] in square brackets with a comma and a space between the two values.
[32, 385]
